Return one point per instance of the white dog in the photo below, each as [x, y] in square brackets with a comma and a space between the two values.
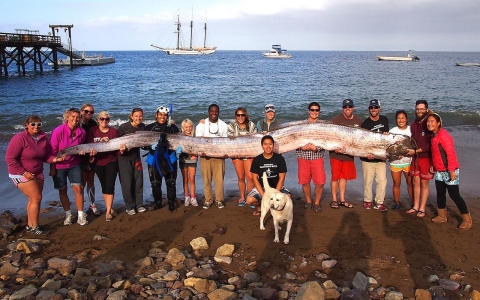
[280, 206]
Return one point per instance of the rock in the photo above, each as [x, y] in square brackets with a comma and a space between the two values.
[328, 264]
[36, 241]
[220, 294]
[225, 250]
[290, 275]
[157, 244]
[199, 243]
[76, 295]
[310, 290]
[174, 257]
[282, 295]
[45, 295]
[8, 269]
[223, 259]
[322, 256]
[355, 294]
[321, 275]
[27, 247]
[448, 285]
[332, 294]
[329, 285]
[100, 238]
[118, 295]
[360, 281]
[191, 281]
[146, 261]
[475, 295]
[421, 294]
[250, 277]
[146, 281]
[289, 286]
[206, 274]
[372, 280]
[265, 293]
[171, 276]
[63, 266]
[101, 282]
[436, 291]
[23, 293]
[394, 295]
[157, 253]
[205, 286]
[83, 272]
[432, 278]
[52, 285]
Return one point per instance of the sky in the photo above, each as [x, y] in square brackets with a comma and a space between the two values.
[326, 25]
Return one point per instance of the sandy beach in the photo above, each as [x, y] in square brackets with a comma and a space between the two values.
[397, 249]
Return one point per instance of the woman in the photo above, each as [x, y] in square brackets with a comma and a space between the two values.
[402, 165]
[242, 126]
[447, 172]
[130, 166]
[26, 153]
[66, 135]
[88, 175]
[106, 163]
[188, 166]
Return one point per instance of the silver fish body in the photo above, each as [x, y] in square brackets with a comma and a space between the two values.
[290, 136]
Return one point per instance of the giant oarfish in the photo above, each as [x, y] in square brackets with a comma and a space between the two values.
[354, 140]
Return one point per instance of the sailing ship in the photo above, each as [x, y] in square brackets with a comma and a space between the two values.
[180, 50]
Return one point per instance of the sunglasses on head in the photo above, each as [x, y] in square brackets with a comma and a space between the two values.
[347, 106]
[88, 111]
[269, 107]
[104, 119]
[38, 124]
[315, 109]
[75, 110]
[240, 115]
[373, 107]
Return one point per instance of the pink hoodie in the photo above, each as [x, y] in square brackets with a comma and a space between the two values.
[61, 139]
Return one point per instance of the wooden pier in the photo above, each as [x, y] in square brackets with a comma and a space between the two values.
[27, 48]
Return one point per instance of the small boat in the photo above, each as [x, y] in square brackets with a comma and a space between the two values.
[276, 52]
[180, 50]
[468, 64]
[409, 57]
[87, 60]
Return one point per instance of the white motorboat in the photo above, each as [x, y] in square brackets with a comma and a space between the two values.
[276, 52]
[409, 57]
[87, 61]
[468, 64]
[180, 50]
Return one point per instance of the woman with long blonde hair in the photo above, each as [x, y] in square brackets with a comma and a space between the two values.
[188, 166]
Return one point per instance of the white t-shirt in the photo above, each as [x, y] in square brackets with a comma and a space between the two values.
[406, 160]
[208, 129]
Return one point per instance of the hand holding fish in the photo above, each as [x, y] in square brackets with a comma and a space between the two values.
[123, 148]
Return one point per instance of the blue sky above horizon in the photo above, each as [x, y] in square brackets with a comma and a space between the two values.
[355, 25]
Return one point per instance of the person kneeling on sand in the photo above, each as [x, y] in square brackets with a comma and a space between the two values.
[274, 165]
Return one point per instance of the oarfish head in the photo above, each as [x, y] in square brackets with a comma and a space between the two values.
[400, 147]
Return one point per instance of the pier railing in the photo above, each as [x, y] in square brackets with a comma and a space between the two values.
[27, 40]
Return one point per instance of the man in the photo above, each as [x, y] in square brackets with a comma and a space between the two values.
[420, 166]
[269, 123]
[163, 125]
[274, 165]
[374, 168]
[311, 165]
[212, 168]
[343, 165]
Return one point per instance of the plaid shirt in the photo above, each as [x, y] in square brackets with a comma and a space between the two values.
[309, 154]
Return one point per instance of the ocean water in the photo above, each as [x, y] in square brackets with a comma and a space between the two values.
[148, 79]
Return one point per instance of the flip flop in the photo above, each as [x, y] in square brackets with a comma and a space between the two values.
[334, 204]
[307, 205]
[412, 211]
[257, 213]
[253, 206]
[317, 208]
[421, 214]
[345, 204]
[243, 202]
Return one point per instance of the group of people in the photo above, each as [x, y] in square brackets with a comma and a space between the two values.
[433, 157]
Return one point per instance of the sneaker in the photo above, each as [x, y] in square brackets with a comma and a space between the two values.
[68, 220]
[220, 204]
[187, 200]
[82, 219]
[193, 201]
[37, 230]
[207, 205]
[367, 205]
[93, 211]
[130, 212]
[380, 207]
[141, 209]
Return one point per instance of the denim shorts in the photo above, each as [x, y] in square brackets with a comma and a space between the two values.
[74, 175]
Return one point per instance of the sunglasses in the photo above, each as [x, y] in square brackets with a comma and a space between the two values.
[347, 106]
[38, 124]
[240, 115]
[269, 107]
[373, 107]
[88, 111]
[104, 119]
[315, 109]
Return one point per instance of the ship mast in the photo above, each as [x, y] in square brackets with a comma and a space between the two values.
[178, 31]
[191, 30]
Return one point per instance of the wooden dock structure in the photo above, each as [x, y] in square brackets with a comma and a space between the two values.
[29, 48]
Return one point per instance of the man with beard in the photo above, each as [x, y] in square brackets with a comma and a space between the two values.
[374, 168]
[420, 167]
[162, 125]
[342, 165]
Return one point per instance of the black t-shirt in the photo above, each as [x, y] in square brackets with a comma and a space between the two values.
[127, 128]
[381, 125]
[272, 166]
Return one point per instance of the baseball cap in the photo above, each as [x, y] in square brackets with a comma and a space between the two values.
[374, 102]
[163, 109]
[269, 107]
[347, 102]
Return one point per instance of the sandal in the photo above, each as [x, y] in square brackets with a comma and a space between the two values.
[242, 202]
[257, 213]
[412, 211]
[253, 206]
[307, 205]
[420, 214]
[334, 204]
[317, 208]
[345, 204]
